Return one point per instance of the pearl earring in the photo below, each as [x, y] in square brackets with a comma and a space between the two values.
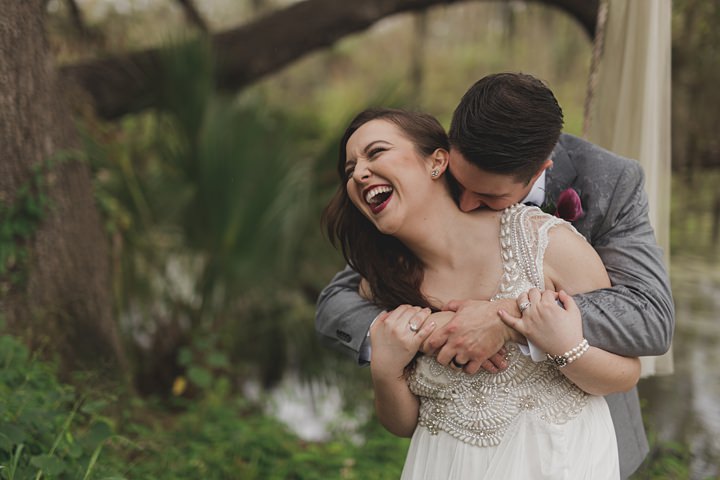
[435, 173]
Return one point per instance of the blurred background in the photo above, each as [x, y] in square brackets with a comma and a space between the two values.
[160, 247]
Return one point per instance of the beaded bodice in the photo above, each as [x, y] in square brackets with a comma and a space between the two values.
[478, 409]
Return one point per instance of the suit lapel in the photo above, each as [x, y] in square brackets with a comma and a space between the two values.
[561, 175]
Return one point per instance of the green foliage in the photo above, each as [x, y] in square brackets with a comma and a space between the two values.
[219, 187]
[224, 439]
[18, 222]
[695, 76]
[213, 208]
[45, 430]
[220, 435]
[666, 461]
[695, 214]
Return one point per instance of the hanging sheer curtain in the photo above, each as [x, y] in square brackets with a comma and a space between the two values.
[628, 108]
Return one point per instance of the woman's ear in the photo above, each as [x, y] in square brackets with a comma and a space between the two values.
[439, 162]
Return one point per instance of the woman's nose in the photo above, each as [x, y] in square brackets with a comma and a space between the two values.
[361, 173]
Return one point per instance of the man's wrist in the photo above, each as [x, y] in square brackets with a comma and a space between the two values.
[510, 334]
[366, 346]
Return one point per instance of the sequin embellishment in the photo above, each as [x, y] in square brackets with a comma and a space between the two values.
[478, 409]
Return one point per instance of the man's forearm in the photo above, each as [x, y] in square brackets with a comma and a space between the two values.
[343, 317]
[636, 317]
[628, 321]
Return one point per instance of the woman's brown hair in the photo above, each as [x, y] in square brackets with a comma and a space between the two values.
[394, 273]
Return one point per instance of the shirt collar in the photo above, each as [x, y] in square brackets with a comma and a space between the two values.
[537, 192]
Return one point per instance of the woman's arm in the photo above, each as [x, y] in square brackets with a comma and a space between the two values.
[572, 265]
[394, 345]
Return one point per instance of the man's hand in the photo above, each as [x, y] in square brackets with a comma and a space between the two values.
[474, 336]
[440, 319]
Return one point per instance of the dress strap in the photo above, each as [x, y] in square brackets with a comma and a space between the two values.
[524, 232]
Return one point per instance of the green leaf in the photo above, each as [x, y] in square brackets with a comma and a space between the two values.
[49, 464]
[200, 377]
[98, 433]
[218, 360]
[74, 450]
[94, 406]
[185, 356]
[12, 433]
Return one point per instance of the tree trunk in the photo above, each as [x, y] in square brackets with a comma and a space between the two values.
[127, 83]
[417, 57]
[64, 299]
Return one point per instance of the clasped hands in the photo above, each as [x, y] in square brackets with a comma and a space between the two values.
[470, 334]
[467, 334]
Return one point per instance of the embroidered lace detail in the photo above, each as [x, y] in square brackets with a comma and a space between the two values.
[523, 240]
[478, 409]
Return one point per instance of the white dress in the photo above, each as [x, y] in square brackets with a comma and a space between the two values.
[527, 422]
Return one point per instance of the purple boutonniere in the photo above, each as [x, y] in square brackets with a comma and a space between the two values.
[568, 206]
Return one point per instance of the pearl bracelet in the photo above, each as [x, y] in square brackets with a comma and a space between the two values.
[571, 355]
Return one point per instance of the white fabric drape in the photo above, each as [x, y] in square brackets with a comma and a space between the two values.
[629, 108]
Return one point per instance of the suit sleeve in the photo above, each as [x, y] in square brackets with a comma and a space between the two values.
[635, 317]
[343, 317]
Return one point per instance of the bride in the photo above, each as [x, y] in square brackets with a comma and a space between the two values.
[397, 224]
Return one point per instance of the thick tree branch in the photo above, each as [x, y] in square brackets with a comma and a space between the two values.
[124, 84]
[77, 18]
[193, 15]
[86, 33]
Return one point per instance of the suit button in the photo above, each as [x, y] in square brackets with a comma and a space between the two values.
[344, 336]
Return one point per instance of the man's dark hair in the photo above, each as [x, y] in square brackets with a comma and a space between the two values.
[507, 123]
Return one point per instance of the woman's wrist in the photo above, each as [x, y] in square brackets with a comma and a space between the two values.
[385, 373]
[571, 355]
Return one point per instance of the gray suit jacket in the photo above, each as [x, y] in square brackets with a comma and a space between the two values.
[633, 318]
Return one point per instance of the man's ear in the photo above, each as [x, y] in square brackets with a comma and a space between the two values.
[439, 160]
[545, 165]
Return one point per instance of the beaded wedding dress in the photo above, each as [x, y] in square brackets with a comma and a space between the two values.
[527, 422]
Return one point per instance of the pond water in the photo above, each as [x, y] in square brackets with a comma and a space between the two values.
[685, 406]
[682, 407]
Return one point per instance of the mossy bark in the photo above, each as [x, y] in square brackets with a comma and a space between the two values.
[65, 298]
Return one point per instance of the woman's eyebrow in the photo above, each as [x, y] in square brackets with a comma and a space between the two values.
[368, 147]
[371, 144]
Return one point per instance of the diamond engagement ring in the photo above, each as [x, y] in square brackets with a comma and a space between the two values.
[524, 306]
[413, 328]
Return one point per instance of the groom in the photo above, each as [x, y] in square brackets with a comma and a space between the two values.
[502, 136]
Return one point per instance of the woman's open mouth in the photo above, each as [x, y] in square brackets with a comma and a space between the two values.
[377, 197]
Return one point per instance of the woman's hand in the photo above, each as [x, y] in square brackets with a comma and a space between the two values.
[553, 327]
[396, 337]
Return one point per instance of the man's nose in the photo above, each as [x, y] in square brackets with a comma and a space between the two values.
[469, 201]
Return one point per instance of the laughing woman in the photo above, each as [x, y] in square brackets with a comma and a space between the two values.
[396, 222]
